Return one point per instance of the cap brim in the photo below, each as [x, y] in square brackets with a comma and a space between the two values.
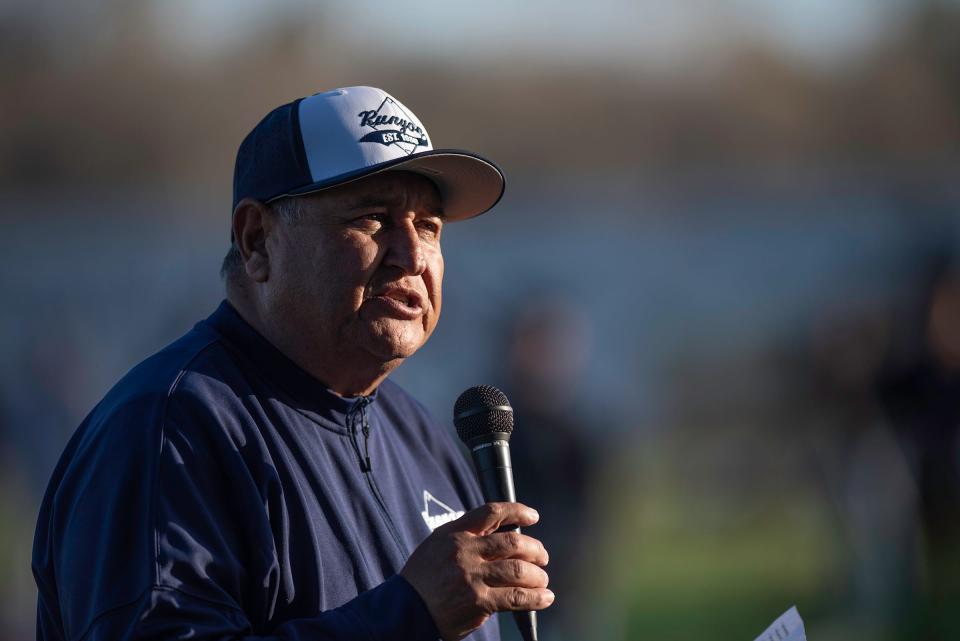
[469, 184]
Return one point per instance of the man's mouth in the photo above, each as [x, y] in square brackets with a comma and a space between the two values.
[403, 302]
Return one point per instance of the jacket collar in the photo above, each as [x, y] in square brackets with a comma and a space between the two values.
[307, 394]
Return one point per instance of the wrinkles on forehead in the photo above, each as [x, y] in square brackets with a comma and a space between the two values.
[390, 201]
[388, 190]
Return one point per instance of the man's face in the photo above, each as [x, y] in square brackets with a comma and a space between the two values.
[359, 273]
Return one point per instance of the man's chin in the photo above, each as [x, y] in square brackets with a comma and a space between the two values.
[393, 346]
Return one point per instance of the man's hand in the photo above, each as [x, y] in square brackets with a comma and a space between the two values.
[466, 570]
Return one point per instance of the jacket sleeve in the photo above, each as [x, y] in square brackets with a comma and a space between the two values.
[389, 611]
[166, 537]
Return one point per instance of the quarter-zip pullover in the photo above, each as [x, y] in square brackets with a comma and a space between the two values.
[220, 492]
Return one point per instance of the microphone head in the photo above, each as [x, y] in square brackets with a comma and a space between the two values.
[482, 411]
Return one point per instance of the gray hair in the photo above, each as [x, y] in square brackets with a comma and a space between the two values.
[288, 210]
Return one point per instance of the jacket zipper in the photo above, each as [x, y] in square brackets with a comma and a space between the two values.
[366, 467]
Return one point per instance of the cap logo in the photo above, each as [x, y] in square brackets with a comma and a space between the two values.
[392, 125]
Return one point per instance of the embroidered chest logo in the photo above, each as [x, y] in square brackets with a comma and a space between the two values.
[392, 125]
[436, 513]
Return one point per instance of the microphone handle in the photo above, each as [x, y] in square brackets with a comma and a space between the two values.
[495, 473]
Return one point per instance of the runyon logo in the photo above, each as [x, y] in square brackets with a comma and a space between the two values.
[392, 126]
[436, 513]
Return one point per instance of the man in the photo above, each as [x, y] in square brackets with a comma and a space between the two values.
[260, 477]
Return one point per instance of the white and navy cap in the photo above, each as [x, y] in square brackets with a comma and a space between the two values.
[335, 137]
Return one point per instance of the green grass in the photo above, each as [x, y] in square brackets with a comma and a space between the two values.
[688, 562]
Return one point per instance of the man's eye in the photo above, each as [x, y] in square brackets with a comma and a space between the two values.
[430, 226]
[373, 220]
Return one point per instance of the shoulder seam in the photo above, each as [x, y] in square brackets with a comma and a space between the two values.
[156, 471]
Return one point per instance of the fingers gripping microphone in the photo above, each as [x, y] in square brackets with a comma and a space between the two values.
[484, 421]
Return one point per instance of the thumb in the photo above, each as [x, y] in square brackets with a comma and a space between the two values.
[490, 517]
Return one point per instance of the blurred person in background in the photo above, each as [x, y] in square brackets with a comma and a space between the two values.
[864, 474]
[548, 343]
[920, 393]
[261, 476]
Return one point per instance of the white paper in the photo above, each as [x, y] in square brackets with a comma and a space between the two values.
[788, 627]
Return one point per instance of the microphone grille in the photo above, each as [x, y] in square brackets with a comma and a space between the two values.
[482, 410]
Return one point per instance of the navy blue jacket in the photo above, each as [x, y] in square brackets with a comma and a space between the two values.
[220, 492]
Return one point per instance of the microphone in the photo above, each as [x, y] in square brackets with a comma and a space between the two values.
[484, 421]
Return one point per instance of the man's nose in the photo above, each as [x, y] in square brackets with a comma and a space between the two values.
[405, 249]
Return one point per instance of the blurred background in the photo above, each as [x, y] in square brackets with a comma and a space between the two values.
[722, 289]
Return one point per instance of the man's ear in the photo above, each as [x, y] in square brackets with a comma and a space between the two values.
[252, 224]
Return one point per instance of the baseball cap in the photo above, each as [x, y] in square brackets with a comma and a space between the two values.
[332, 138]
